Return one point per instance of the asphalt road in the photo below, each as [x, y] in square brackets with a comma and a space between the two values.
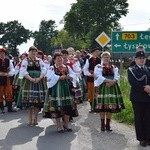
[86, 135]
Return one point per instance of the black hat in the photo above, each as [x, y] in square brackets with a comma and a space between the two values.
[94, 49]
[140, 54]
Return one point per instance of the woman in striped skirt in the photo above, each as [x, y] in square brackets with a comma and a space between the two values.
[108, 98]
[34, 86]
[60, 78]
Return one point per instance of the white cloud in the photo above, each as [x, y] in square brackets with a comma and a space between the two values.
[31, 12]
[138, 17]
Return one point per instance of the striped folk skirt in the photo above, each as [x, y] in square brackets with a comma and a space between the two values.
[108, 99]
[57, 97]
[33, 94]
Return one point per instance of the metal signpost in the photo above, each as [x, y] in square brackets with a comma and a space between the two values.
[128, 41]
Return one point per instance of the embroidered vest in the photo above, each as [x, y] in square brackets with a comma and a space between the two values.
[92, 63]
[4, 67]
[33, 65]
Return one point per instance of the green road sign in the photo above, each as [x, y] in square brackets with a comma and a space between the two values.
[128, 41]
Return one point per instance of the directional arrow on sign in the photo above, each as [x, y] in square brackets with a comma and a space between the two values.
[117, 45]
[127, 41]
[117, 36]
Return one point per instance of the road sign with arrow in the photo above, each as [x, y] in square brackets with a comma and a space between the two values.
[128, 41]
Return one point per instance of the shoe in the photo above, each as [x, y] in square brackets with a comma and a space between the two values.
[91, 111]
[143, 143]
[12, 110]
[35, 122]
[148, 143]
[29, 124]
[102, 129]
[59, 130]
[109, 130]
[2, 111]
[71, 120]
[67, 129]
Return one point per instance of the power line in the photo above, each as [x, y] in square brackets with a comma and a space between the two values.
[136, 24]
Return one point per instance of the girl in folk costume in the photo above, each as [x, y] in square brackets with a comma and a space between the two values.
[108, 95]
[88, 71]
[59, 101]
[17, 82]
[74, 91]
[34, 86]
[78, 71]
[68, 62]
[6, 71]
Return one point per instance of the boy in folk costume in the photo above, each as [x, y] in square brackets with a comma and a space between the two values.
[6, 71]
[88, 71]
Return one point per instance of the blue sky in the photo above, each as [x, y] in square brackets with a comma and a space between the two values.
[30, 12]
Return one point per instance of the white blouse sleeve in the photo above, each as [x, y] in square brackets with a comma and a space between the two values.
[52, 78]
[23, 70]
[17, 69]
[99, 79]
[43, 67]
[12, 69]
[116, 73]
[73, 76]
[86, 69]
[77, 69]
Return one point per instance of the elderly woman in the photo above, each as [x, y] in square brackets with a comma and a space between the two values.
[108, 95]
[33, 89]
[59, 80]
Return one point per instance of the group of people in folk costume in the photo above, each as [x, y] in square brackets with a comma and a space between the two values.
[57, 88]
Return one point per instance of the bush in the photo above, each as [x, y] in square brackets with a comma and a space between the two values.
[126, 116]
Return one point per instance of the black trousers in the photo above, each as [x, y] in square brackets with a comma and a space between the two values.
[142, 120]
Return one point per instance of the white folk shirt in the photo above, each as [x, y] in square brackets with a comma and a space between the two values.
[52, 78]
[24, 66]
[99, 78]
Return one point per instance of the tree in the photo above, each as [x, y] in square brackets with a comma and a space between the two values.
[91, 17]
[13, 35]
[64, 40]
[44, 36]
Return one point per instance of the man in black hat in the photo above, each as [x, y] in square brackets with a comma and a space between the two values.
[139, 80]
[88, 71]
[141, 48]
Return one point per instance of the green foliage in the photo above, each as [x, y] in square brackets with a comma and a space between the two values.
[91, 17]
[44, 36]
[13, 34]
[64, 40]
[126, 116]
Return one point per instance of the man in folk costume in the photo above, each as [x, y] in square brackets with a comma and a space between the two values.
[6, 71]
[88, 71]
